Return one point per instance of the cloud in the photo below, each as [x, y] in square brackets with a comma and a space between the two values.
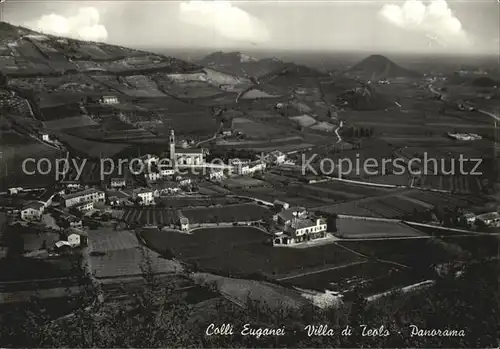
[222, 17]
[84, 25]
[435, 18]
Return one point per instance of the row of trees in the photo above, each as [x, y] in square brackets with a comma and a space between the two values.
[158, 316]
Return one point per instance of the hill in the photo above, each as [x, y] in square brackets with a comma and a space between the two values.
[376, 67]
[27, 53]
[484, 81]
[366, 98]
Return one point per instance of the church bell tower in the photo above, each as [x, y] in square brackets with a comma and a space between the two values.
[172, 146]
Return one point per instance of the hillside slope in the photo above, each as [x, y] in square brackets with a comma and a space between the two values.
[24, 52]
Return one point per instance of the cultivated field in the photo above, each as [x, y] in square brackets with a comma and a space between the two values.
[395, 207]
[455, 184]
[324, 126]
[187, 202]
[343, 279]
[243, 251]
[304, 120]
[150, 216]
[105, 240]
[257, 130]
[90, 148]
[70, 122]
[231, 213]
[366, 229]
[423, 253]
[14, 149]
[243, 182]
[123, 255]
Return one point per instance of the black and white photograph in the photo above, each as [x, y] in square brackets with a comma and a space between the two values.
[249, 174]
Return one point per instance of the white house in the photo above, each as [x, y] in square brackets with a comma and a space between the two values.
[45, 137]
[84, 196]
[117, 182]
[216, 175]
[470, 218]
[184, 223]
[301, 229]
[16, 190]
[85, 206]
[165, 172]
[146, 196]
[184, 181]
[72, 221]
[490, 219]
[33, 210]
[152, 176]
[109, 100]
[72, 185]
[74, 240]
[277, 158]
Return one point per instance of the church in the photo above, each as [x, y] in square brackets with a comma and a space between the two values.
[185, 157]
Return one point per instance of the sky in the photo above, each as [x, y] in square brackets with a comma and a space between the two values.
[466, 26]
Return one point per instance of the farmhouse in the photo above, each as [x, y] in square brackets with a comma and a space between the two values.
[490, 219]
[470, 217]
[74, 240]
[277, 158]
[16, 190]
[109, 100]
[287, 215]
[72, 221]
[183, 222]
[250, 169]
[144, 196]
[167, 187]
[32, 210]
[72, 184]
[301, 229]
[216, 174]
[117, 183]
[85, 206]
[117, 198]
[165, 172]
[87, 195]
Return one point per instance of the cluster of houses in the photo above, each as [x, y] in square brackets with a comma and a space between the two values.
[295, 225]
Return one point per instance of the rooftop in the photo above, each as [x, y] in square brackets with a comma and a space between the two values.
[34, 205]
[81, 193]
[302, 223]
[489, 215]
[289, 213]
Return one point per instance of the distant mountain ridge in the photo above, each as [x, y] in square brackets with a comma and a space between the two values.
[376, 67]
[240, 64]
